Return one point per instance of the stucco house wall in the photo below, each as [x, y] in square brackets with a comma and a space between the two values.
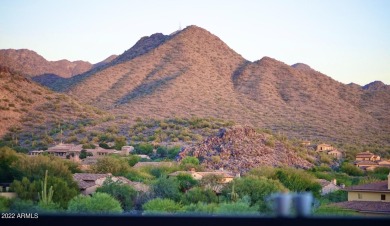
[367, 196]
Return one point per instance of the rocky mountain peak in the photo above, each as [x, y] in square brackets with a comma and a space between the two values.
[375, 86]
[301, 66]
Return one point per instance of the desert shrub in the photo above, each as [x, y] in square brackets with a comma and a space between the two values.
[166, 188]
[159, 206]
[196, 195]
[351, 169]
[144, 148]
[125, 194]
[298, 180]
[101, 203]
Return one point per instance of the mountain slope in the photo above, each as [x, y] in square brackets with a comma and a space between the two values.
[27, 105]
[193, 73]
[30, 63]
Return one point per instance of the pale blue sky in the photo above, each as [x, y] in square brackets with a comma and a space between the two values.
[349, 40]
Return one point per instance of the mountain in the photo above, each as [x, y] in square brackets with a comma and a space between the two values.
[47, 73]
[25, 105]
[30, 63]
[194, 73]
[239, 149]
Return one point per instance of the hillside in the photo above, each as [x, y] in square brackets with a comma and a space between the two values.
[240, 149]
[30, 63]
[194, 73]
[35, 110]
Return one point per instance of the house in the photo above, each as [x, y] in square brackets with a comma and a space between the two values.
[73, 151]
[226, 177]
[328, 186]
[336, 153]
[62, 150]
[89, 182]
[366, 165]
[368, 156]
[369, 198]
[377, 191]
[324, 148]
[330, 150]
[35, 152]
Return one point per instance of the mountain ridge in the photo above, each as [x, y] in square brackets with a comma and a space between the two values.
[194, 73]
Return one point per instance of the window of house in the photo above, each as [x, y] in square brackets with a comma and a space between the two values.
[383, 197]
[360, 195]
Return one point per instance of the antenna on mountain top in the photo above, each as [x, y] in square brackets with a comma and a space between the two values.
[180, 26]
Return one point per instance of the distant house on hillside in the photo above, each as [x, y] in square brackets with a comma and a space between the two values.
[226, 176]
[324, 147]
[368, 156]
[368, 161]
[330, 150]
[336, 153]
[73, 151]
[369, 198]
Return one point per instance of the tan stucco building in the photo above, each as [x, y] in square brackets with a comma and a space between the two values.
[378, 191]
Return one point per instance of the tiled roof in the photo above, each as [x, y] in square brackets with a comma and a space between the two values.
[89, 176]
[377, 186]
[366, 206]
[138, 186]
[365, 162]
[364, 154]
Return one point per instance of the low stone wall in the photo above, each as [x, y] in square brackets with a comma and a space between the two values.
[9, 195]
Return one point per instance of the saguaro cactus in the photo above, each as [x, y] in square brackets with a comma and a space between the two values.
[45, 198]
[233, 195]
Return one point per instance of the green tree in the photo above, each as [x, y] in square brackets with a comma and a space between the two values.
[83, 154]
[25, 189]
[132, 160]
[120, 142]
[257, 189]
[22, 206]
[104, 145]
[98, 203]
[4, 204]
[125, 194]
[351, 170]
[8, 158]
[186, 182]
[298, 180]
[166, 188]
[144, 149]
[116, 166]
[200, 208]
[240, 207]
[190, 160]
[162, 152]
[197, 194]
[158, 206]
